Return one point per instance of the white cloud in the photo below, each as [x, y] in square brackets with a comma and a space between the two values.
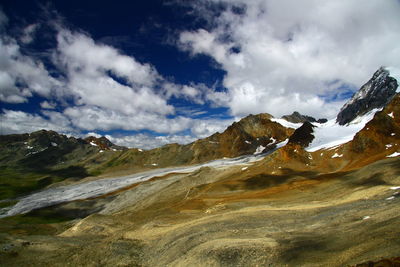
[22, 122]
[205, 128]
[287, 51]
[89, 65]
[16, 68]
[145, 141]
[92, 118]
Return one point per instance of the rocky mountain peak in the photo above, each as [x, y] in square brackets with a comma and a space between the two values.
[296, 117]
[376, 93]
[103, 143]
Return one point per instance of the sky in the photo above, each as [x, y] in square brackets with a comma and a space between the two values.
[149, 73]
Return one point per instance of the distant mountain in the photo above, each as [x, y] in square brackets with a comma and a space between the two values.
[376, 93]
[32, 161]
[296, 117]
[103, 143]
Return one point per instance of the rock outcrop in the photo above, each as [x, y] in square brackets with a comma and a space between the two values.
[376, 93]
[303, 136]
[296, 117]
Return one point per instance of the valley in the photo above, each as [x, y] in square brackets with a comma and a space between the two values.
[265, 192]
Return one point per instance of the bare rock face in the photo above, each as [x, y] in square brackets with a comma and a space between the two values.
[296, 117]
[376, 93]
[303, 136]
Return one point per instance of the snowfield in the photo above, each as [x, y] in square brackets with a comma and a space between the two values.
[286, 123]
[331, 134]
[395, 73]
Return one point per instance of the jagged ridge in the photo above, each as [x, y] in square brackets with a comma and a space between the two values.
[376, 93]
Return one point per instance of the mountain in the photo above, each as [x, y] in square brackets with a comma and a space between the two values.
[375, 94]
[32, 161]
[296, 117]
[322, 194]
[252, 134]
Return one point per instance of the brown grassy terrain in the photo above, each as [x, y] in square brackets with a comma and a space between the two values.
[230, 217]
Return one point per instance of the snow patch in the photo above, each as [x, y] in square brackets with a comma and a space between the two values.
[286, 123]
[395, 187]
[93, 143]
[391, 115]
[395, 154]
[388, 146]
[390, 198]
[54, 144]
[331, 134]
[366, 217]
[154, 164]
[140, 150]
[273, 140]
[29, 147]
[244, 168]
[259, 149]
[247, 142]
[392, 134]
[395, 73]
[336, 155]
[101, 151]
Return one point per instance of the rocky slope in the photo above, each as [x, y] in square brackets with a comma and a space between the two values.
[376, 93]
[296, 117]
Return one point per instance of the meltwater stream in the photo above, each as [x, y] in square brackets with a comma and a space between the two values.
[61, 194]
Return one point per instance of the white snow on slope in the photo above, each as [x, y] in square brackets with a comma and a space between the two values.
[93, 143]
[332, 134]
[286, 123]
[395, 154]
[259, 150]
[395, 73]
[391, 115]
[336, 155]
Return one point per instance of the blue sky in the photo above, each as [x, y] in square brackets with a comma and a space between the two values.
[148, 73]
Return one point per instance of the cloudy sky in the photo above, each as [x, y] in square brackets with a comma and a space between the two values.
[148, 73]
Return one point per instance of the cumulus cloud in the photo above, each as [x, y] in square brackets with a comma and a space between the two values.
[280, 56]
[205, 128]
[92, 118]
[22, 122]
[100, 75]
[146, 141]
[20, 75]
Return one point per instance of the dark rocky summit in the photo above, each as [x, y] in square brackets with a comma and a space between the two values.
[376, 93]
[296, 117]
[303, 136]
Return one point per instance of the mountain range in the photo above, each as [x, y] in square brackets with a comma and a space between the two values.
[265, 191]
